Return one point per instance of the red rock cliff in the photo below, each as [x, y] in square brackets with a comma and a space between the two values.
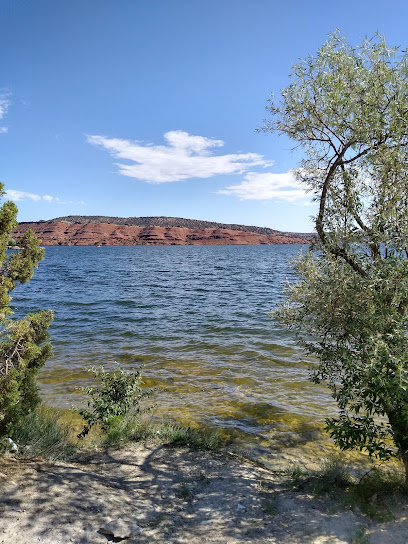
[65, 233]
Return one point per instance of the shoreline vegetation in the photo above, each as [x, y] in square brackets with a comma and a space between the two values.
[165, 482]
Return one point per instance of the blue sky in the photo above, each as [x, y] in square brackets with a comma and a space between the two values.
[149, 107]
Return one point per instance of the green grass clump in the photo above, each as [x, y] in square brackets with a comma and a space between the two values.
[333, 475]
[183, 492]
[41, 433]
[202, 438]
[133, 428]
[377, 491]
[374, 494]
[270, 506]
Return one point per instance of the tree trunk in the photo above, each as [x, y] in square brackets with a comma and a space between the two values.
[399, 429]
[405, 461]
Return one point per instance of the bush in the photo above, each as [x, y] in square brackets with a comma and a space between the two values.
[23, 343]
[119, 394]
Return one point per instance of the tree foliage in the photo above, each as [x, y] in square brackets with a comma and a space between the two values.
[23, 343]
[348, 109]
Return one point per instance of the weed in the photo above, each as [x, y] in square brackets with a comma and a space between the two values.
[157, 520]
[202, 477]
[374, 494]
[297, 477]
[333, 475]
[183, 492]
[42, 433]
[361, 536]
[269, 506]
[264, 485]
[201, 438]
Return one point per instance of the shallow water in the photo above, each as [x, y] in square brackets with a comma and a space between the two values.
[196, 317]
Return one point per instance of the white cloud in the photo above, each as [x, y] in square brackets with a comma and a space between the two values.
[4, 106]
[267, 186]
[183, 157]
[18, 196]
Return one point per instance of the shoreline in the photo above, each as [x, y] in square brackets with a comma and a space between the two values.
[173, 495]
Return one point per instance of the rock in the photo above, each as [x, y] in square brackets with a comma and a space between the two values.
[6, 444]
[120, 528]
[88, 232]
[12, 446]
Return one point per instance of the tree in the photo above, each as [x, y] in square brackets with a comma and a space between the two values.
[348, 109]
[23, 343]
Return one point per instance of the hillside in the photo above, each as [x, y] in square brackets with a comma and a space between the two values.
[103, 230]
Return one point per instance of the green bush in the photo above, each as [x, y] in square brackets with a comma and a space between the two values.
[118, 395]
[23, 343]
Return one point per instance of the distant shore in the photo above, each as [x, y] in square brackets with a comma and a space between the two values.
[111, 231]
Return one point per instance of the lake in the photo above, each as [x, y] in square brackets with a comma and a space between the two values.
[196, 317]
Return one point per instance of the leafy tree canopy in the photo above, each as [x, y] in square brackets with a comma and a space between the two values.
[347, 107]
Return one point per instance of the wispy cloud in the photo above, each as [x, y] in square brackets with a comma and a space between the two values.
[267, 186]
[4, 106]
[18, 196]
[183, 157]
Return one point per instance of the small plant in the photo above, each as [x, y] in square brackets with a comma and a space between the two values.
[183, 492]
[200, 439]
[41, 432]
[297, 477]
[333, 475]
[269, 506]
[374, 494]
[202, 477]
[118, 395]
[361, 536]
[376, 491]
[264, 485]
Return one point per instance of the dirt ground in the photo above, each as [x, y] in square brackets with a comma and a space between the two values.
[173, 496]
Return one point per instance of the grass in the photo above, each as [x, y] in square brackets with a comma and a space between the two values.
[269, 506]
[183, 492]
[202, 438]
[361, 536]
[374, 494]
[41, 433]
[44, 433]
[142, 429]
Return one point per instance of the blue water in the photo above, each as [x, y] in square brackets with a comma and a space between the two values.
[195, 316]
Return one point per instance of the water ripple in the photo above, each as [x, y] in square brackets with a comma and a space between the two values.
[195, 316]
